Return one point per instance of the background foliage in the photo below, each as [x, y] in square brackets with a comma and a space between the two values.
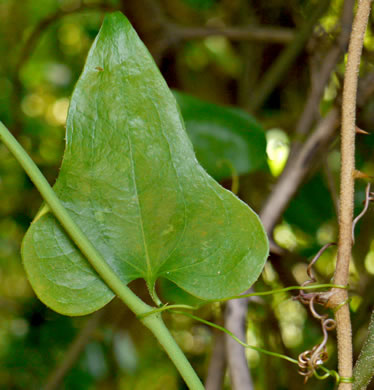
[37, 76]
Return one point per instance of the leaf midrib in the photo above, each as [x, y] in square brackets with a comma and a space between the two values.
[148, 277]
[179, 185]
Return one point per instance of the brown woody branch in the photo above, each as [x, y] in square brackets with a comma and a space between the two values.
[217, 365]
[293, 175]
[75, 349]
[321, 79]
[235, 322]
[348, 131]
[282, 64]
[280, 35]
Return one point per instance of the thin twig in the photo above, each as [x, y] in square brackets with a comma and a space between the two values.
[294, 173]
[251, 54]
[42, 26]
[344, 331]
[328, 65]
[249, 33]
[29, 47]
[292, 177]
[75, 349]
[160, 33]
[287, 57]
[177, 33]
[217, 364]
[309, 269]
[321, 79]
[240, 376]
[368, 198]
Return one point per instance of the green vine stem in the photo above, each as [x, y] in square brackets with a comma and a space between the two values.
[344, 328]
[154, 322]
[168, 307]
[328, 373]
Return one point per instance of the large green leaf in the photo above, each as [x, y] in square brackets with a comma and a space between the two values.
[130, 180]
[224, 138]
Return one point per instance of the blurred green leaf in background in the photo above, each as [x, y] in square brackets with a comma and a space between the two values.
[225, 139]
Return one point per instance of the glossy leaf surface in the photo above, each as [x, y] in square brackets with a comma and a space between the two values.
[224, 138]
[130, 180]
